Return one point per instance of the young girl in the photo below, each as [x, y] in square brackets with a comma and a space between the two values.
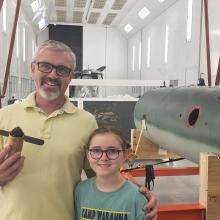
[108, 195]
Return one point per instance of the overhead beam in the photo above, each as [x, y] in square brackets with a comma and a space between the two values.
[109, 82]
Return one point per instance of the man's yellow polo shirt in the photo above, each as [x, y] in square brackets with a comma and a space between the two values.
[43, 190]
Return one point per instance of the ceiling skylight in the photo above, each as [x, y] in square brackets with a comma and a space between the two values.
[128, 28]
[143, 13]
[35, 5]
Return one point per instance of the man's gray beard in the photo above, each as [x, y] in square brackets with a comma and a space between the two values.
[49, 96]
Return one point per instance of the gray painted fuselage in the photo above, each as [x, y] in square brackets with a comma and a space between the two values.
[185, 120]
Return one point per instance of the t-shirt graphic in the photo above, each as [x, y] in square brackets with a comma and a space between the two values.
[99, 214]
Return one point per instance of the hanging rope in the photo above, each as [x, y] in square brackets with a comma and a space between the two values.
[139, 139]
[133, 155]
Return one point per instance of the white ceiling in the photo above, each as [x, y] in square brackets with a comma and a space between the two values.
[113, 13]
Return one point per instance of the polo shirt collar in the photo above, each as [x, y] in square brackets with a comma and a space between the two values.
[68, 107]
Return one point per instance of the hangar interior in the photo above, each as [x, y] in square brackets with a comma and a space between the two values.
[123, 53]
[167, 45]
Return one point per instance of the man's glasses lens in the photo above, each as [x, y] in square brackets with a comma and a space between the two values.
[48, 67]
[111, 154]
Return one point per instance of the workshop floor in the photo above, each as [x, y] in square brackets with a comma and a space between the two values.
[174, 189]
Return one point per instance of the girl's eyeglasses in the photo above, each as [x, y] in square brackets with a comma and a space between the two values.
[111, 153]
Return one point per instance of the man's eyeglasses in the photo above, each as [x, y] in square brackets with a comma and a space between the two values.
[45, 67]
[111, 153]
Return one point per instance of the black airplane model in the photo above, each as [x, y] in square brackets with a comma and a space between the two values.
[18, 133]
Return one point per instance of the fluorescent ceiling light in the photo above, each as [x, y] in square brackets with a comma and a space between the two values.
[4, 23]
[17, 41]
[148, 51]
[143, 13]
[24, 44]
[139, 64]
[189, 21]
[35, 6]
[33, 46]
[133, 58]
[161, 1]
[128, 28]
[166, 44]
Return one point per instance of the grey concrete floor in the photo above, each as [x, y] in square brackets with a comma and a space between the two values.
[174, 189]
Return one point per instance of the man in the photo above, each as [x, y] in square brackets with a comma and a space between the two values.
[41, 187]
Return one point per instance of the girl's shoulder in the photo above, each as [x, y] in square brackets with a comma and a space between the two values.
[131, 186]
[85, 183]
[133, 190]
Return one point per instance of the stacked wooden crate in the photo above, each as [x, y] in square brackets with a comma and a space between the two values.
[147, 149]
[210, 185]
